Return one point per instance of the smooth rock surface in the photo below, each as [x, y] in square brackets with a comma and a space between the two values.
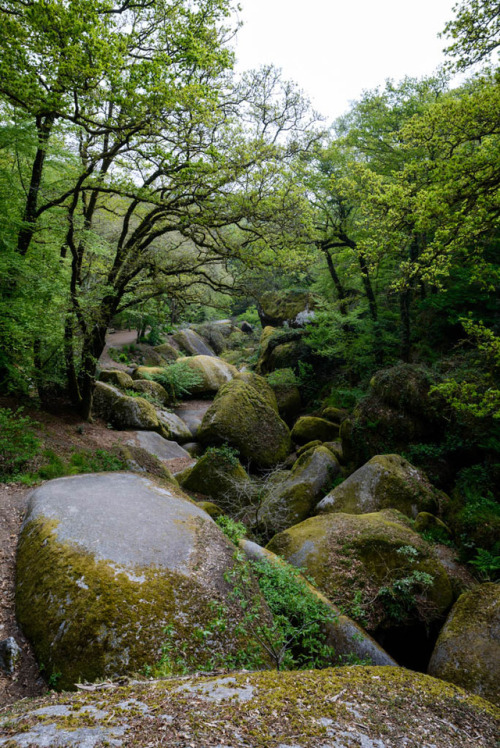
[192, 343]
[213, 373]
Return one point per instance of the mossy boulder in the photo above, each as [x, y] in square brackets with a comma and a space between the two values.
[372, 707]
[219, 477]
[154, 389]
[213, 372]
[335, 415]
[467, 651]
[429, 523]
[308, 446]
[398, 413]
[243, 418]
[105, 563]
[289, 401]
[211, 509]
[117, 378]
[261, 386]
[287, 355]
[124, 412]
[292, 497]
[309, 428]
[145, 372]
[167, 352]
[280, 349]
[192, 343]
[360, 561]
[385, 482]
[174, 427]
[291, 307]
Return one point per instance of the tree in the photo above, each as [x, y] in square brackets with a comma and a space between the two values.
[475, 31]
[166, 159]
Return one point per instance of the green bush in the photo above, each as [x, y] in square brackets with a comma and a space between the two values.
[18, 443]
[178, 379]
[223, 455]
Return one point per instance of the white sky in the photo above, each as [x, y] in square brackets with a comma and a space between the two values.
[334, 49]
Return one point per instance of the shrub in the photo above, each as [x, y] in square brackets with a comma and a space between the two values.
[178, 379]
[18, 443]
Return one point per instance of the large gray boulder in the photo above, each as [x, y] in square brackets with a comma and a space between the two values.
[244, 418]
[467, 651]
[385, 482]
[106, 563]
[174, 427]
[213, 372]
[373, 707]
[192, 343]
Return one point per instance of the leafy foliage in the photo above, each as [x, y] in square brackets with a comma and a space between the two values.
[18, 443]
[178, 379]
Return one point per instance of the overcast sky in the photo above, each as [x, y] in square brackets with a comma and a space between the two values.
[334, 50]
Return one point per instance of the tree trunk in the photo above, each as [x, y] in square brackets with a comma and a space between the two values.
[44, 127]
[336, 281]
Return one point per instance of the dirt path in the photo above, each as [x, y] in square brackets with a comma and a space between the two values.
[26, 681]
[116, 340]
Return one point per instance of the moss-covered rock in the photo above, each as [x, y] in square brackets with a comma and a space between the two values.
[291, 350]
[335, 415]
[372, 707]
[429, 523]
[241, 417]
[289, 401]
[213, 372]
[365, 564]
[154, 389]
[144, 372]
[167, 352]
[385, 482]
[192, 343]
[309, 428]
[468, 649]
[292, 496]
[397, 413]
[261, 386]
[219, 477]
[106, 563]
[140, 460]
[291, 307]
[336, 449]
[211, 509]
[308, 446]
[173, 426]
[124, 412]
[118, 378]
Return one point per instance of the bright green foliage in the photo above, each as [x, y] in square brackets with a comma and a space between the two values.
[479, 398]
[235, 531]
[487, 564]
[223, 455]
[298, 635]
[178, 379]
[18, 443]
[283, 378]
[475, 31]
